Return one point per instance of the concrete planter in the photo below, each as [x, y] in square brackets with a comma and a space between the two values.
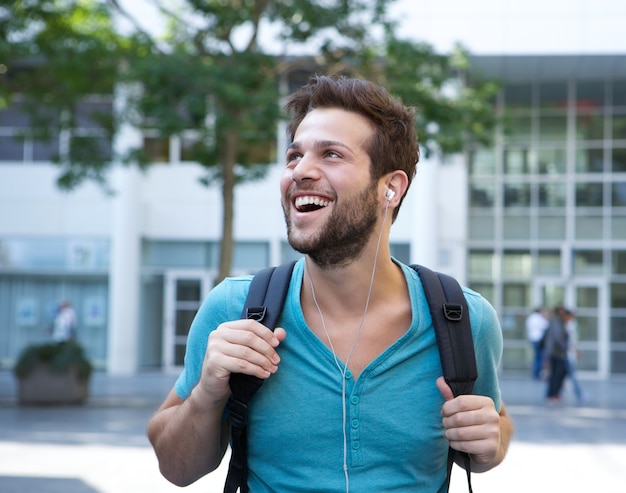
[41, 387]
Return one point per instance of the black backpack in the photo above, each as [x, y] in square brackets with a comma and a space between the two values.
[264, 303]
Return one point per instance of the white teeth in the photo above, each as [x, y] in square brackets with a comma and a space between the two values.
[310, 200]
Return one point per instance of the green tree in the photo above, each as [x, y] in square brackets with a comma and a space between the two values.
[209, 72]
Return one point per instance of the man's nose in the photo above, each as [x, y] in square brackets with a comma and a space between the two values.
[306, 169]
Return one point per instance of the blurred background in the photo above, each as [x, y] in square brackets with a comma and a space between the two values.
[141, 145]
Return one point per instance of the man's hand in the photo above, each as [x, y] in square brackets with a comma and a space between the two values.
[240, 346]
[473, 425]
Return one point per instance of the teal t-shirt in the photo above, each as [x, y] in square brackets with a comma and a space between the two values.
[393, 430]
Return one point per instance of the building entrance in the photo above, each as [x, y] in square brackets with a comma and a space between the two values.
[184, 292]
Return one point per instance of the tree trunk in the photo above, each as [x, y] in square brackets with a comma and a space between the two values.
[228, 199]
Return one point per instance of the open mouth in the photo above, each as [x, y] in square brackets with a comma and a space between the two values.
[310, 203]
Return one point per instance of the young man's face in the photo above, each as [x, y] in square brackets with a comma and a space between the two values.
[329, 200]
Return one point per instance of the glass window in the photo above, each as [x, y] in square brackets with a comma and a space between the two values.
[618, 361]
[619, 92]
[481, 227]
[618, 295]
[516, 195]
[14, 116]
[552, 195]
[553, 127]
[589, 194]
[552, 294]
[553, 95]
[518, 96]
[516, 264]
[618, 266]
[618, 161]
[590, 94]
[516, 295]
[45, 150]
[589, 227]
[549, 262]
[618, 195]
[618, 226]
[588, 262]
[482, 162]
[587, 326]
[518, 128]
[618, 329]
[619, 127]
[401, 251]
[516, 226]
[175, 254]
[94, 114]
[480, 263]
[189, 145]
[251, 255]
[482, 194]
[11, 148]
[87, 148]
[552, 161]
[157, 149]
[587, 297]
[589, 161]
[516, 161]
[551, 227]
[590, 126]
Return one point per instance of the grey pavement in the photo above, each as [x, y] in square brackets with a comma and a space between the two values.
[101, 447]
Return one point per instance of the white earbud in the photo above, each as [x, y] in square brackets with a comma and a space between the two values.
[389, 195]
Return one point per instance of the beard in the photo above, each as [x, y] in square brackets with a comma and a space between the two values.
[341, 240]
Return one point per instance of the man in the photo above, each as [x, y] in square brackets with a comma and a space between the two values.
[556, 349]
[536, 325]
[353, 399]
[64, 325]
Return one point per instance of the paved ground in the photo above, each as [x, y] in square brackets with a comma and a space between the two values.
[101, 447]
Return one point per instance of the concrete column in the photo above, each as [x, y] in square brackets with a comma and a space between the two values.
[125, 258]
[425, 230]
[124, 280]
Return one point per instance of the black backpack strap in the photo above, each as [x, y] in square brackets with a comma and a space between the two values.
[450, 314]
[264, 303]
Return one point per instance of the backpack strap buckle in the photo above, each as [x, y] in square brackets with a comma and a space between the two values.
[256, 313]
[453, 312]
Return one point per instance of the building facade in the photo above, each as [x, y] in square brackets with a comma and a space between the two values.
[537, 220]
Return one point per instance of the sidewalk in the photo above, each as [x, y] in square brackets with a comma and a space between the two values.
[102, 448]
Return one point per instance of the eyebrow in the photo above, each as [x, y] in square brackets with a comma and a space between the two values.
[320, 144]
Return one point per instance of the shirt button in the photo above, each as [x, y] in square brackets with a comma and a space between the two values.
[348, 375]
[356, 445]
[354, 399]
[355, 423]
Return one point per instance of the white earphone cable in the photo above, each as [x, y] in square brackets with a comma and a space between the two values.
[343, 371]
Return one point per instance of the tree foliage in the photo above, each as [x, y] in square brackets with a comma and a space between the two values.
[217, 70]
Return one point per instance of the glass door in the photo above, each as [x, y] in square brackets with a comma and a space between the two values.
[184, 293]
[587, 299]
[589, 302]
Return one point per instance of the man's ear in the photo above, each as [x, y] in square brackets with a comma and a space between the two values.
[396, 184]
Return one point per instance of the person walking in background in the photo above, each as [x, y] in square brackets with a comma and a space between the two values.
[572, 355]
[536, 324]
[556, 347]
[64, 325]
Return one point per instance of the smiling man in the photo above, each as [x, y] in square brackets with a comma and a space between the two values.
[353, 398]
